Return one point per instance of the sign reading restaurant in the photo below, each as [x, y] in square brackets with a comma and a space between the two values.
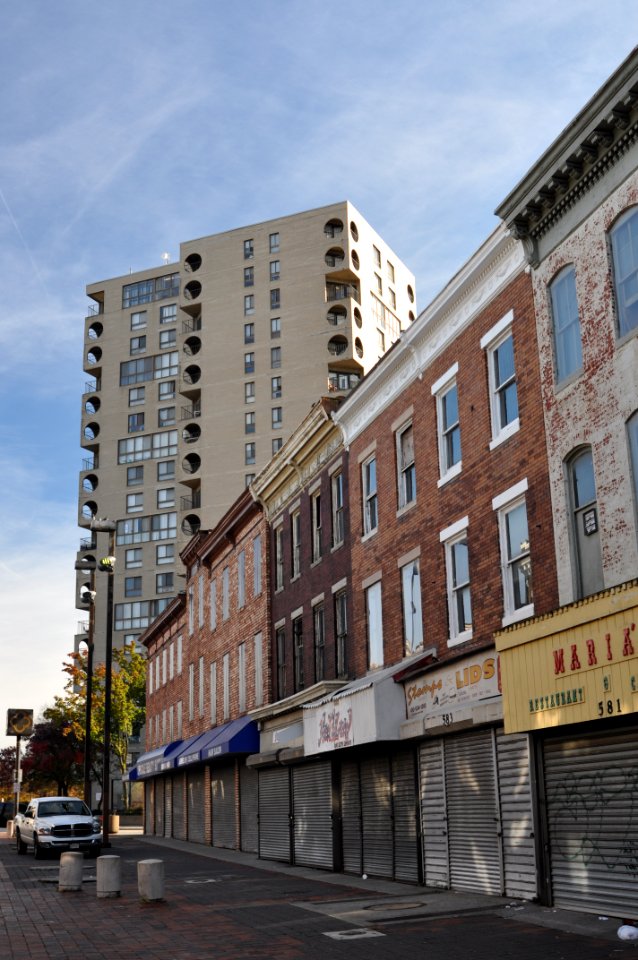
[579, 664]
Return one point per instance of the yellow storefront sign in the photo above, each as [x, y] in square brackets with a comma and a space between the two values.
[579, 663]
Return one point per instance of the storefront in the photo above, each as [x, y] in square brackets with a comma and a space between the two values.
[572, 679]
[476, 808]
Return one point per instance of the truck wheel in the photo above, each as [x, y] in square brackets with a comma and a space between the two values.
[38, 852]
[21, 846]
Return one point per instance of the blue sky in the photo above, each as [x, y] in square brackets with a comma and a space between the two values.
[126, 128]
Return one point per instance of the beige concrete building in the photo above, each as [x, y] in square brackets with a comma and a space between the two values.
[201, 369]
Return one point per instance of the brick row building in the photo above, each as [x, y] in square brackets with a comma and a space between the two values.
[394, 648]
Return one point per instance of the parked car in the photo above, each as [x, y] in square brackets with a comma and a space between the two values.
[57, 823]
[7, 808]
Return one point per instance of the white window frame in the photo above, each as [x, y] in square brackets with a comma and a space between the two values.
[200, 600]
[454, 534]
[490, 342]
[201, 686]
[405, 470]
[241, 676]
[278, 536]
[411, 605]
[213, 604]
[337, 508]
[179, 655]
[171, 661]
[439, 389]
[191, 691]
[503, 505]
[257, 565]
[241, 579]
[370, 497]
[225, 593]
[315, 521]
[295, 543]
[258, 661]
[374, 605]
[226, 685]
[213, 692]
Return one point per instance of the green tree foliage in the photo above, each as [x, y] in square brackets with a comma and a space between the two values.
[7, 771]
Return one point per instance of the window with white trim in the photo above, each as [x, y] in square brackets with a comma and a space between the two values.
[374, 620]
[568, 354]
[257, 565]
[279, 558]
[516, 564]
[201, 687]
[241, 679]
[259, 669]
[200, 600]
[213, 693]
[295, 533]
[445, 391]
[213, 604]
[369, 493]
[315, 518]
[319, 641]
[412, 616]
[405, 465]
[191, 691]
[241, 579]
[338, 519]
[457, 566]
[226, 685]
[225, 593]
[499, 346]
[624, 249]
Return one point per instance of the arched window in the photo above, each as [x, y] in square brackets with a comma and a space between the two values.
[624, 248]
[632, 430]
[585, 523]
[566, 324]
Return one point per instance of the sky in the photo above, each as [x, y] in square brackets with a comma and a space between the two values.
[129, 127]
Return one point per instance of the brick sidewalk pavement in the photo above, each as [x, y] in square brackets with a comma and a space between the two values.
[230, 910]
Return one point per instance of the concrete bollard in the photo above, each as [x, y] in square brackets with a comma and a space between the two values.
[70, 876]
[109, 876]
[10, 828]
[150, 880]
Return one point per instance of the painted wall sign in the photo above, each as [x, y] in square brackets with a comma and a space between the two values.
[463, 683]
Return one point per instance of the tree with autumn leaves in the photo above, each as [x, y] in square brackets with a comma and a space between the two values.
[55, 753]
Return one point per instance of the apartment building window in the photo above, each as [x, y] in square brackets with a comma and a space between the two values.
[379, 283]
[166, 390]
[249, 305]
[165, 470]
[213, 693]
[319, 641]
[132, 586]
[135, 422]
[457, 568]
[171, 722]
[585, 527]
[376, 254]
[406, 466]
[390, 271]
[167, 338]
[257, 565]
[273, 243]
[515, 554]
[248, 479]
[136, 395]
[179, 716]
[249, 333]
[275, 388]
[295, 529]
[134, 502]
[249, 422]
[249, 392]
[191, 691]
[632, 430]
[298, 653]
[241, 579]
[249, 249]
[280, 653]
[249, 363]
[133, 558]
[279, 557]
[149, 368]
[132, 449]
[168, 313]
[568, 354]
[315, 522]
[276, 445]
[171, 661]
[137, 345]
[499, 346]
[226, 685]
[165, 498]
[200, 600]
[249, 453]
[275, 270]
[258, 661]
[338, 519]
[225, 593]
[276, 415]
[138, 320]
[134, 476]
[165, 553]
[213, 603]
[160, 526]
[201, 686]
[341, 633]
[166, 417]
[157, 672]
[178, 656]
[191, 608]
[393, 298]
[374, 620]
[241, 678]
[370, 504]
[624, 249]
[249, 276]
[275, 327]
[412, 616]
[449, 429]
[164, 582]
[275, 299]
[275, 357]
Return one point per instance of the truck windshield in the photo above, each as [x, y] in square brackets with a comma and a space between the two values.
[58, 808]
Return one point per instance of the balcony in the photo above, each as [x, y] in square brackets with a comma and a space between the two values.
[88, 543]
[193, 502]
[342, 291]
[93, 386]
[192, 325]
[192, 412]
[91, 464]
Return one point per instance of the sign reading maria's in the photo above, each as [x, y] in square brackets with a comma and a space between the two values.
[19, 722]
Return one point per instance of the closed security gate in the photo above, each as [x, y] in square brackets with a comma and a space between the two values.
[179, 820]
[159, 806]
[248, 800]
[168, 806]
[222, 791]
[591, 788]
[149, 813]
[476, 813]
[351, 818]
[312, 815]
[376, 817]
[404, 805]
[196, 796]
[274, 814]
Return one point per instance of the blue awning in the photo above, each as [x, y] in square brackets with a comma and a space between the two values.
[149, 763]
[238, 736]
[130, 775]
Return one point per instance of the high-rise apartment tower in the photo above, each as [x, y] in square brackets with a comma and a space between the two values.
[200, 370]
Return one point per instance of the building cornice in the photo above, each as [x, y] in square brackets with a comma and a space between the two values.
[486, 273]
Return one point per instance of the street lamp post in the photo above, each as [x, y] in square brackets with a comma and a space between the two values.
[107, 564]
[88, 566]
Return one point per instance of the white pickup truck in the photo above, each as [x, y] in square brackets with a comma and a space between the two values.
[57, 823]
